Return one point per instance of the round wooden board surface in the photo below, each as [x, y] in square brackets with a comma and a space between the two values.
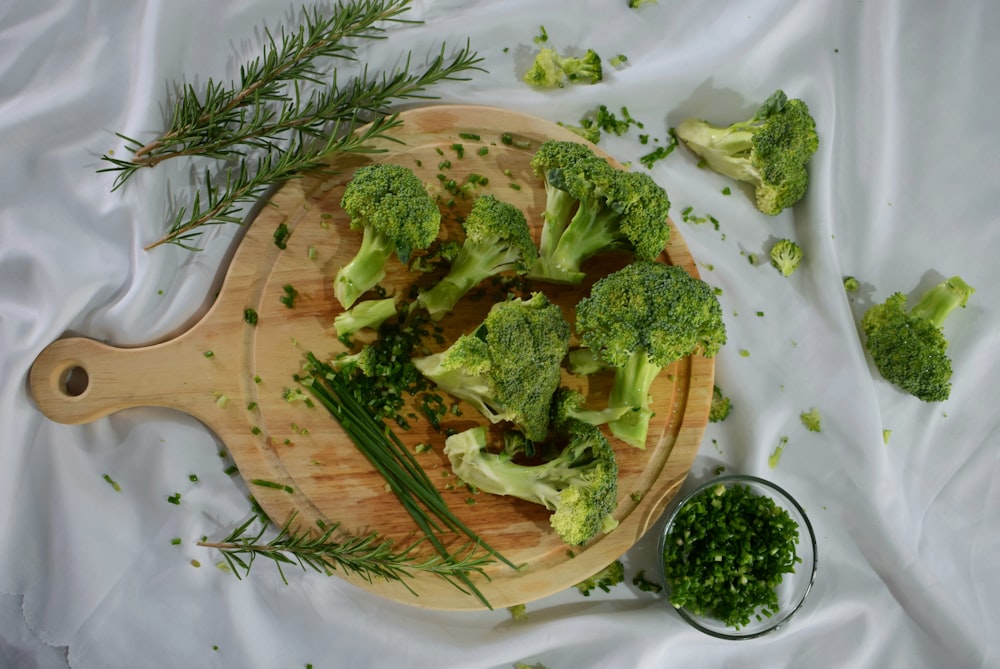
[303, 449]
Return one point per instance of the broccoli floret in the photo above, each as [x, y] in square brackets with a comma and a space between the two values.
[615, 209]
[605, 579]
[579, 484]
[568, 404]
[909, 347]
[786, 256]
[851, 284]
[552, 70]
[497, 239]
[640, 319]
[395, 213]
[364, 314]
[769, 152]
[720, 407]
[509, 367]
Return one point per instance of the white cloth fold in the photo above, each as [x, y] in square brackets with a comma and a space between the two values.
[902, 194]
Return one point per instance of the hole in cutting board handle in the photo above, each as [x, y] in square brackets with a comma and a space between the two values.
[74, 381]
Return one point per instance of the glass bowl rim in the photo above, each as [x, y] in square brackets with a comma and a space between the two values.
[782, 498]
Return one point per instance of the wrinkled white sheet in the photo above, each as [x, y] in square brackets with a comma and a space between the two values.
[903, 193]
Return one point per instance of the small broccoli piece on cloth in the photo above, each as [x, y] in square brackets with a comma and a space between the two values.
[769, 151]
[908, 346]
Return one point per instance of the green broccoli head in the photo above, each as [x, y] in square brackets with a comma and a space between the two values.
[615, 209]
[786, 256]
[640, 319]
[550, 69]
[908, 346]
[497, 239]
[395, 213]
[579, 484]
[770, 151]
[510, 366]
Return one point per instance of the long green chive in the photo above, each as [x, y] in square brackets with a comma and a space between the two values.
[397, 465]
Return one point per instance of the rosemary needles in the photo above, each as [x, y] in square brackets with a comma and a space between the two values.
[404, 475]
[369, 556]
[287, 113]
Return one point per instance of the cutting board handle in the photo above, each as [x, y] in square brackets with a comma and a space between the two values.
[78, 380]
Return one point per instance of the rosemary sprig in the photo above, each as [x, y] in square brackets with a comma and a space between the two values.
[269, 127]
[370, 556]
[245, 184]
[390, 457]
[201, 123]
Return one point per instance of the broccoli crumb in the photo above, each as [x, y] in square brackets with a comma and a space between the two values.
[851, 284]
[640, 581]
[811, 419]
[772, 460]
[720, 406]
[518, 612]
[111, 482]
[605, 579]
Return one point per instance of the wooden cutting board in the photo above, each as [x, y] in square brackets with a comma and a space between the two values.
[303, 448]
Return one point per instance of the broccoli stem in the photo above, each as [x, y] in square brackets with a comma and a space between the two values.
[631, 389]
[365, 269]
[724, 150]
[593, 229]
[558, 210]
[942, 299]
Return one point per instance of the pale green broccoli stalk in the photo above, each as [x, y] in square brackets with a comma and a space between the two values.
[497, 239]
[605, 579]
[510, 366]
[614, 209]
[569, 404]
[364, 314]
[579, 484]
[552, 70]
[559, 205]
[909, 347]
[786, 256]
[811, 420]
[640, 319]
[583, 362]
[770, 151]
[395, 213]
[720, 407]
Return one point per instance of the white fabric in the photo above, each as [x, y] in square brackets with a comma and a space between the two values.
[903, 193]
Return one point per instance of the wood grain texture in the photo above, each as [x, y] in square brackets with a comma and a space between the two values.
[304, 448]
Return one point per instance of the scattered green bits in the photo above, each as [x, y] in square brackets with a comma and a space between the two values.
[175, 498]
[250, 316]
[281, 235]
[112, 483]
[288, 299]
[851, 284]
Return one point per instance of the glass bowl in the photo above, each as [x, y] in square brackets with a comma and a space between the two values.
[793, 588]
